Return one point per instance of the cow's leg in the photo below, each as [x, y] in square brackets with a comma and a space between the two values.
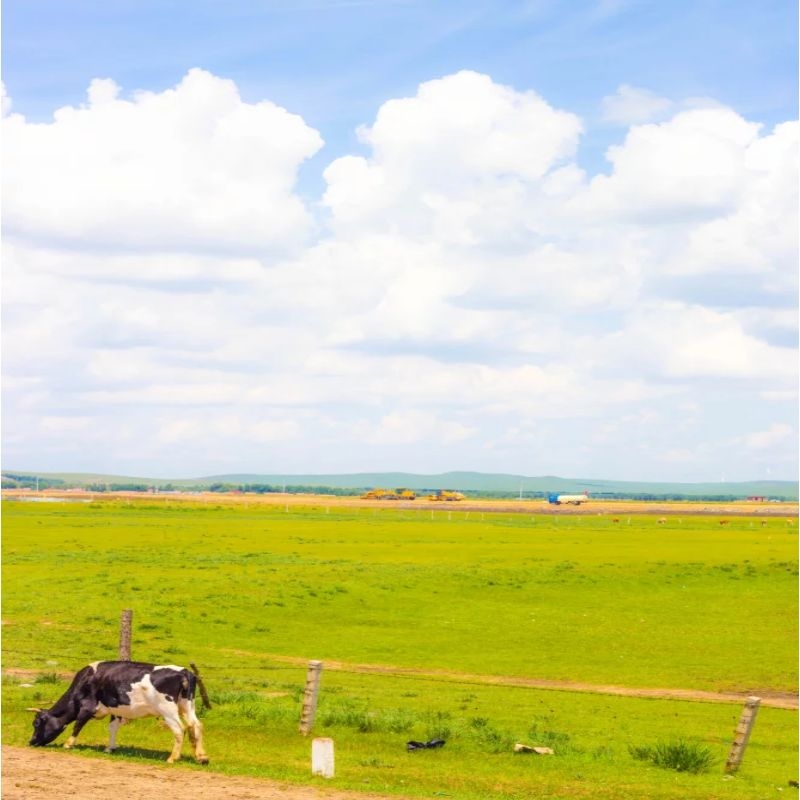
[195, 729]
[173, 722]
[84, 715]
[113, 727]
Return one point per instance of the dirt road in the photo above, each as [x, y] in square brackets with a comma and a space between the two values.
[38, 774]
[769, 697]
[470, 504]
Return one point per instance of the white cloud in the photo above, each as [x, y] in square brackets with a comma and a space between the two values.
[456, 159]
[674, 340]
[760, 233]
[775, 435]
[194, 428]
[690, 167]
[191, 169]
[411, 426]
[56, 426]
[631, 105]
[5, 100]
[468, 298]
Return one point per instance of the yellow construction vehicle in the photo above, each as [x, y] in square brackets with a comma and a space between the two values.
[445, 495]
[377, 494]
[389, 494]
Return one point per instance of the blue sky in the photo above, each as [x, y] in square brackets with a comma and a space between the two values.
[336, 62]
[534, 237]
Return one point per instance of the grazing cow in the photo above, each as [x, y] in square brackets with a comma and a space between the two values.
[125, 690]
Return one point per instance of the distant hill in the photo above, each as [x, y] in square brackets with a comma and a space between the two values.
[487, 484]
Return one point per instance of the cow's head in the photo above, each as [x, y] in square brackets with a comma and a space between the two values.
[46, 727]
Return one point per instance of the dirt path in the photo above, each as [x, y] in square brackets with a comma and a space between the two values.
[769, 697]
[38, 774]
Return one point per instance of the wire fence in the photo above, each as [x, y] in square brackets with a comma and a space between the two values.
[47, 662]
[64, 666]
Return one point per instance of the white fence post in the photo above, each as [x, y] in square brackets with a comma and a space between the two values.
[322, 757]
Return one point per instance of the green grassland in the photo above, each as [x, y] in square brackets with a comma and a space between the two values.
[236, 589]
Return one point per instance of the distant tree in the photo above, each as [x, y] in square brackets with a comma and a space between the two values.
[13, 480]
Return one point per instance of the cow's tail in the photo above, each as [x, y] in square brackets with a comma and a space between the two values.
[188, 685]
[189, 682]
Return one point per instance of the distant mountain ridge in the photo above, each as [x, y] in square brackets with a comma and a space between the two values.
[462, 481]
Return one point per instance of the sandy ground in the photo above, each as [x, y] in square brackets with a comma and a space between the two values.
[39, 774]
[615, 507]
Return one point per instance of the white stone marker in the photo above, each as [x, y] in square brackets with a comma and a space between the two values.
[322, 757]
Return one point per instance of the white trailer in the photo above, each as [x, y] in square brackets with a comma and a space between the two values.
[571, 499]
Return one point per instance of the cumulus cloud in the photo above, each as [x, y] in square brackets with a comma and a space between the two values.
[455, 161]
[463, 294]
[759, 234]
[192, 168]
[709, 202]
[692, 166]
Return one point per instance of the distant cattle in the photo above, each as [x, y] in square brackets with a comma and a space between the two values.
[723, 522]
[662, 520]
[125, 690]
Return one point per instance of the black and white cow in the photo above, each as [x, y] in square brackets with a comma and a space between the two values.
[125, 690]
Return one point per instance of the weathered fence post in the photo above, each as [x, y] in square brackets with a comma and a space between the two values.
[125, 635]
[742, 734]
[200, 685]
[310, 696]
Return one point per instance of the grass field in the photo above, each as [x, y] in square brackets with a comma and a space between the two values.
[238, 589]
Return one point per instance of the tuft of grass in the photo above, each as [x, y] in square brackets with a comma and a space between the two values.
[490, 738]
[47, 677]
[680, 755]
[543, 737]
[438, 725]
[363, 720]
